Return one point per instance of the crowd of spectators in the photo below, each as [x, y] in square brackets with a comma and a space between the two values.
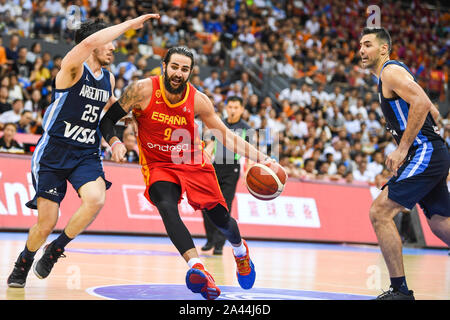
[326, 125]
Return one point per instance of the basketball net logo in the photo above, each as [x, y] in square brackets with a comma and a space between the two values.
[374, 16]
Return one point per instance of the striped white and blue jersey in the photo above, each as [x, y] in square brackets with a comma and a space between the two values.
[395, 111]
[74, 113]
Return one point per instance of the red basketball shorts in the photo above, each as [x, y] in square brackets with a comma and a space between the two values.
[199, 182]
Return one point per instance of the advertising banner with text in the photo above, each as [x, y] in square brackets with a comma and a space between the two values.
[304, 211]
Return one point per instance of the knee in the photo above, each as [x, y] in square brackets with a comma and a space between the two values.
[94, 201]
[219, 216]
[45, 228]
[377, 215]
[441, 229]
[167, 209]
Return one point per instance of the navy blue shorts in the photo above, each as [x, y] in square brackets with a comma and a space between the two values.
[54, 163]
[423, 179]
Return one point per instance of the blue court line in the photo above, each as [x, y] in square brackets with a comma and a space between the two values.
[252, 243]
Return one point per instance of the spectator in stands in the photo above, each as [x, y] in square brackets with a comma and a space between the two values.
[339, 175]
[25, 122]
[13, 115]
[377, 165]
[172, 37]
[292, 94]
[313, 25]
[436, 82]
[197, 82]
[337, 96]
[39, 74]
[3, 59]
[373, 125]
[299, 128]
[224, 81]
[352, 125]
[129, 141]
[217, 96]
[16, 90]
[55, 12]
[4, 104]
[244, 82]
[349, 177]
[12, 51]
[47, 60]
[212, 81]
[235, 90]
[322, 172]
[55, 62]
[321, 126]
[332, 167]
[22, 67]
[127, 68]
[306, 96]
[47, 86]
[252, 105]
[35, 51]
[308, 172]
[362, 173]
[7, 141]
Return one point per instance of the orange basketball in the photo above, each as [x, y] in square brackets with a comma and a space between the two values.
[265, 181]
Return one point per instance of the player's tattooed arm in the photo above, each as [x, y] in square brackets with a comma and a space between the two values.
[136, 95]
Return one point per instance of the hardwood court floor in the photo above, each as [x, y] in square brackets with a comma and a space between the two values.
[138, 267]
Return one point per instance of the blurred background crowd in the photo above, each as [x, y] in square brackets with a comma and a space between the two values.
[294, 63]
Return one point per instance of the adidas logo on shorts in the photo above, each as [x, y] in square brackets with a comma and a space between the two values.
[52, 192]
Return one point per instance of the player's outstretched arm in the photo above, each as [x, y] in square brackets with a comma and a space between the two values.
[72, 63]
[398, 80]
[204, 108]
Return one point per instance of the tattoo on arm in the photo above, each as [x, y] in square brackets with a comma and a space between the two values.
[132, 96]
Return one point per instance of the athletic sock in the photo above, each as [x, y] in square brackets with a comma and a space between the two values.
[194, 261]
[62, 240]
[240, 251]
[27, 254]
[399, 283]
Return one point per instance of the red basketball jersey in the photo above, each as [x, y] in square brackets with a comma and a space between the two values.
[167, 133]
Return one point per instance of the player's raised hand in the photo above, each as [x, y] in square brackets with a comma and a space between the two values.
[138, 22]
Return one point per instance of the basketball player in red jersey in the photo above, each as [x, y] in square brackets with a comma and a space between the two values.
[173, 160]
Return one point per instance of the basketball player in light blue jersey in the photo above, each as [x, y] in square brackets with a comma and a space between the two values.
[69, 148]
[420, 164]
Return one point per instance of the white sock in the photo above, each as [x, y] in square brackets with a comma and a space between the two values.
[240, 251]
[193, 261]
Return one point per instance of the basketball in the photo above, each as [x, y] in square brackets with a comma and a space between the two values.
[265, 181]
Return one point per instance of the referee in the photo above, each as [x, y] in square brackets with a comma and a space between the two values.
[227, 166]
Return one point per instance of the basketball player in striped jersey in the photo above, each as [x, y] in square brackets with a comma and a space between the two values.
[69, 148]
[420, 164]
[173, 161]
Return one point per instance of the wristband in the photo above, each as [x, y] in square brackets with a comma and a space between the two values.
[116, 142]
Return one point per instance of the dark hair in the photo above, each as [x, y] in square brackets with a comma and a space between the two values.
[381, 34]
[307, 161]
[10, 124]
[236, 98]
[88, 28]
[179, 50]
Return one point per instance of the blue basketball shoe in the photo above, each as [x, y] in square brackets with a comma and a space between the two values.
[245, 270]
[198, 280]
